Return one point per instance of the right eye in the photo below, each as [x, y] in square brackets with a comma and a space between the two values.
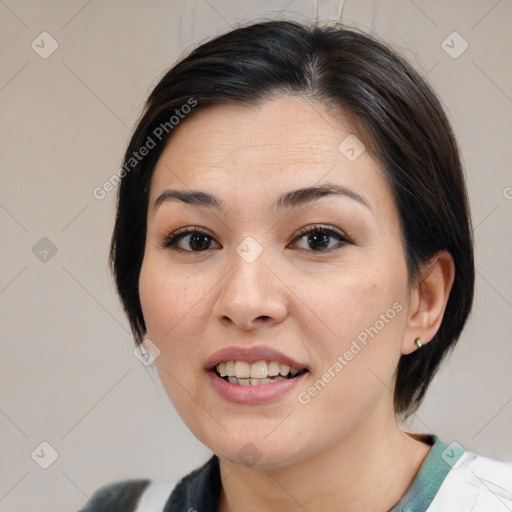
[198, 240]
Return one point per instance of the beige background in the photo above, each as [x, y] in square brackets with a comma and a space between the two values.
[68, 373]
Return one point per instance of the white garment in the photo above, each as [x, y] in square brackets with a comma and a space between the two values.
[475, 484]
[154, 497]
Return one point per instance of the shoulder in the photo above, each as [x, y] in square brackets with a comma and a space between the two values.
[123, 495]
[476, 483]
[146, 495]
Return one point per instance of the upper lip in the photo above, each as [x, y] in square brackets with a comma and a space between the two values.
[251, 355]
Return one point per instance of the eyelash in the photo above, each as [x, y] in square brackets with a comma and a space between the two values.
[171, 239]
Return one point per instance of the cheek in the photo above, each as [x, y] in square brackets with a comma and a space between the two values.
[356, 362]
[170, 304]
[167, 297]
[363, 313]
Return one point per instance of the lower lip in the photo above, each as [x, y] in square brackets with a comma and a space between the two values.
[253, 395]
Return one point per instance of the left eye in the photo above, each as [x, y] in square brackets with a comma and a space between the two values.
[318, 237]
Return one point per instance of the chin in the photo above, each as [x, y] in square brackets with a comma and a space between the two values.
[250, 456]
[255, 452]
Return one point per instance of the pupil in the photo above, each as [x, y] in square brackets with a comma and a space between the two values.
[198, 237]
[314, 238]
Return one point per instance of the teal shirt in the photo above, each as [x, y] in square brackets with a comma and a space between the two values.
[435, 468]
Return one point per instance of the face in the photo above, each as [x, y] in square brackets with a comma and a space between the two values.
[310, 285]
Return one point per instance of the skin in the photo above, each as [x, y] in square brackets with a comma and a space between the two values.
[343, 450]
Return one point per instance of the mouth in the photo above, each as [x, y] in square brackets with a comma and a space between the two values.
[262, 372]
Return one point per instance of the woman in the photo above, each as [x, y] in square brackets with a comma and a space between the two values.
[293, 246]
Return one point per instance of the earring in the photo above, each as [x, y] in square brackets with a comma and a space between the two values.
[418, 342]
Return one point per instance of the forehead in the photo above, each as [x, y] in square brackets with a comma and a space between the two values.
[251, 151]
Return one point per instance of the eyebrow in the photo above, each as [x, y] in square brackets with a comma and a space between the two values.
[287, 200]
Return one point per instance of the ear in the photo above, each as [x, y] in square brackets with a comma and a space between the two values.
[428, 300]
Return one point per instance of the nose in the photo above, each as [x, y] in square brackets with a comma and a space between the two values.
[251, 294]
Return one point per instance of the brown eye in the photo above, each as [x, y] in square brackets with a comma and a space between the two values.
[318, 238]
[195, 240]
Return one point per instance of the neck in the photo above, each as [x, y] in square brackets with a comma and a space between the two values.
[369, 469]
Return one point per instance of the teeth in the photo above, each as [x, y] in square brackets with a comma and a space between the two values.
[273, 368]
[230, 368]
[257, 373]
[259, 370]
[284, 369]
[253, 382]
[242, 369]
